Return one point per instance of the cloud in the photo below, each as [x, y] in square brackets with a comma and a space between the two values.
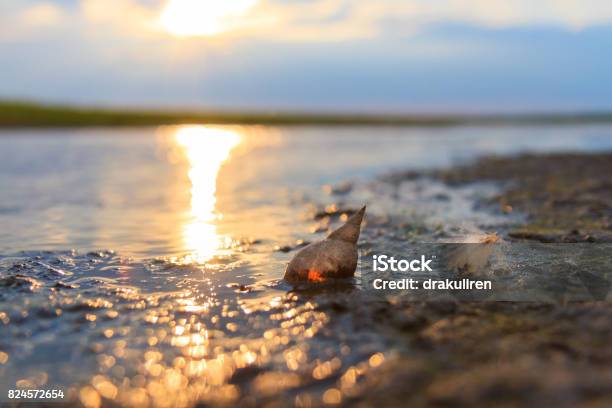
[328, 18]
[572, 14]
[20, 22]
[325, 20]
[316, 20]
[42, 15]
[311, 53]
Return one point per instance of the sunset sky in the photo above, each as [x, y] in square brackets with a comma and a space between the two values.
[341, 55]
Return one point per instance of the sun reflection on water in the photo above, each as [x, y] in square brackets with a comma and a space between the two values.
[207, 149]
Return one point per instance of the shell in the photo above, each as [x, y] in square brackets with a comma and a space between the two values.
[334, 257]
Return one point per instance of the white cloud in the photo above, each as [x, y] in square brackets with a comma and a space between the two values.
[329, 20]
[571, 14]
[366, 18]
[22, 22]
[42, 15]
[128, 17]
[316, 20]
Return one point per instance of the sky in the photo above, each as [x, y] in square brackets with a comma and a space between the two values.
[399, 56]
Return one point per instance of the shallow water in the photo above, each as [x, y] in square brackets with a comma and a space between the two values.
[142, 265]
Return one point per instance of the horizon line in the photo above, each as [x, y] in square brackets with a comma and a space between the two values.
[21, 114]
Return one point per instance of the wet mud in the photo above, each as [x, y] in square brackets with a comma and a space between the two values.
[112, 330]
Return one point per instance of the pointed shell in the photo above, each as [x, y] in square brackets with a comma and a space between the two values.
[333, 257]
[349, 232]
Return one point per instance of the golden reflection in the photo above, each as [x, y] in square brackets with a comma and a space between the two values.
[206, 149]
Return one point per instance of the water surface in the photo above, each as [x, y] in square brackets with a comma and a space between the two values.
[142, 265]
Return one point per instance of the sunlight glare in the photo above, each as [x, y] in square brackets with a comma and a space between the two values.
[206, 149]
[203, 17]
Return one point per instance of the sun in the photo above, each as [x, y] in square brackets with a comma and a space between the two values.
[185, 18]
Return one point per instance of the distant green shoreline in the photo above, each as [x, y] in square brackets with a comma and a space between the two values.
[24, 114]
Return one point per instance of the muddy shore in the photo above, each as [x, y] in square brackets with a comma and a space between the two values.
[567, 197]
[503, 353]
[131, 325]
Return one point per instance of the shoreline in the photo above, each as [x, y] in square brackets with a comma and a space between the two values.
[567, 197]
[399, 350]
[16, 114]
[475, 353]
